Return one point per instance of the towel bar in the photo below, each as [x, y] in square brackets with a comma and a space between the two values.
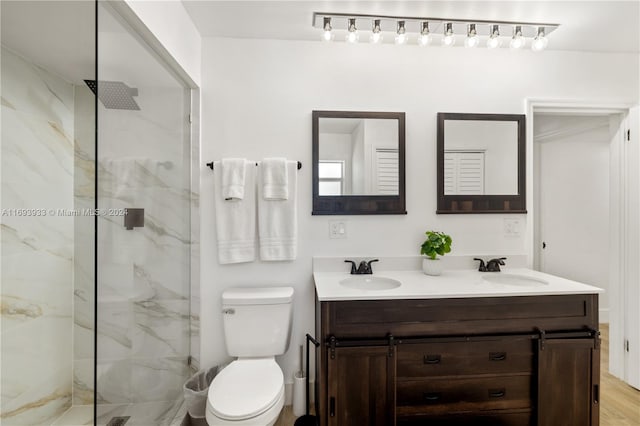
[210, 165]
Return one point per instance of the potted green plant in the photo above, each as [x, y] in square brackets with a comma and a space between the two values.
[436, 244]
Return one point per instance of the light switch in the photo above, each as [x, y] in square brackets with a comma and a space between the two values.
[512, 227]
[337, 229]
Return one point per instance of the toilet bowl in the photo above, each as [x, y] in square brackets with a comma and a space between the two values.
[246, 392]
[257, 325]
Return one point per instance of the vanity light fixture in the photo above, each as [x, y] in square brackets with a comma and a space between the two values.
[449, 39]
[424, 39]
[494, 37]
[540, 41]
[478, 32]
[472, 40]
[352, 32]
[376, 33]
[401, 35]
[327, 34]
[517, 41]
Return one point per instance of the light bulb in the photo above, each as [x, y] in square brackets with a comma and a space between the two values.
[376, 35]
[494, 38]
[401, 36]
[327, 34]
[449, 38]
[517, 41]
[424, 39]
[352, 34]
[540, 42]
[472, 39]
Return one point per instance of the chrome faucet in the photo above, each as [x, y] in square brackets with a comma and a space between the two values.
[492, 265]
[363, 269]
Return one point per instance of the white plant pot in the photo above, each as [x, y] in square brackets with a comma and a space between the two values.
[432, 266]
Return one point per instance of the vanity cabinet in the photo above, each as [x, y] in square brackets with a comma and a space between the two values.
[508, 361]
[362, 386]
[568, 382]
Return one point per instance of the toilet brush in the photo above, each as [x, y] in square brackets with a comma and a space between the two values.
[308, 419]
[298, 389]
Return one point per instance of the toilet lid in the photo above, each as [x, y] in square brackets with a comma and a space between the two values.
[245, 388]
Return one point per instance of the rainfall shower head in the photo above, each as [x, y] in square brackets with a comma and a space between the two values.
[114, 94]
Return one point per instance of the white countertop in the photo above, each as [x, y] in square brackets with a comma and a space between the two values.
[451, 284]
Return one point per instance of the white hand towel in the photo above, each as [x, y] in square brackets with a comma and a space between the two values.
[236, 219]
[274, 179]
[233, 176]
[278, 220]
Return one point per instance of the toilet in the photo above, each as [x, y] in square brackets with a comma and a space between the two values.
[257, 327]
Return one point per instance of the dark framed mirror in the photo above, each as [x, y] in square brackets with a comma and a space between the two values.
[358, 163]
[481, 163]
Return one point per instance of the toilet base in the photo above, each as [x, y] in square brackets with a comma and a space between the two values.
[268, 418]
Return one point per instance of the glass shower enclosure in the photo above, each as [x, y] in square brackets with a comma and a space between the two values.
[96, 241]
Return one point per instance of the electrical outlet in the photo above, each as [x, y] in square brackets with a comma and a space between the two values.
[512, 227]
[337, 229]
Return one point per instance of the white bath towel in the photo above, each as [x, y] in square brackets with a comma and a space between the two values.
[278, 220]
[236, 219]
[233, 175]
[274, 179]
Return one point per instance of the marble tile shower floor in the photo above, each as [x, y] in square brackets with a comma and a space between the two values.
[165, 413]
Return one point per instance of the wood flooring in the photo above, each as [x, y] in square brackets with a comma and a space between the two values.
[620, 403]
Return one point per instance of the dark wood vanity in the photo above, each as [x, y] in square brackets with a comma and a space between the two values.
[488, 361]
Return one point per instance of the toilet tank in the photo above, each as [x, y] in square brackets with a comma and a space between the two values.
[257, 321]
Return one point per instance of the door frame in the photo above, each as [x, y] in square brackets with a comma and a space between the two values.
[618, 199]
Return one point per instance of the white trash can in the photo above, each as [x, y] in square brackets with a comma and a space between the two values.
[195, 395]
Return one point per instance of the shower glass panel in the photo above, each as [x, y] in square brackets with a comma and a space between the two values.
[143, 249]
[47, 197]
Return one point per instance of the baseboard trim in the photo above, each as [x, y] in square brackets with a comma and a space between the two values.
[604, 316]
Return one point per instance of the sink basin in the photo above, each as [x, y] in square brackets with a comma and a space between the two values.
[370, 283]
[514, 279]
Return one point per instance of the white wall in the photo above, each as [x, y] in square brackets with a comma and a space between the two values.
[172, 26]
[257, 102]
[573, 153]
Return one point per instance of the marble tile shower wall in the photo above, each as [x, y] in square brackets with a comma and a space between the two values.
[84, 247]
[143, 284]
[37, 251]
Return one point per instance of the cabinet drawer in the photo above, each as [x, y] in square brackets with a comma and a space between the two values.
[451, 395]
[492, 418]
[465, 358]
[463, 316]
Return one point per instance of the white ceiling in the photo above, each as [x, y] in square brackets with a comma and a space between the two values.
[608, 26]
[59, 36]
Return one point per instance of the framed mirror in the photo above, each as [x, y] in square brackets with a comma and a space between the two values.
[358, 162]
[481, 163]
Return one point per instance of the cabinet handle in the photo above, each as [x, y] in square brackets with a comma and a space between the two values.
[432, 359]
[497, 393]
[596, 394]
[497, 356]
[432, 396]
[332, 407]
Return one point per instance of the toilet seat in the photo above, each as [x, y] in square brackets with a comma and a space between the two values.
[245, 389]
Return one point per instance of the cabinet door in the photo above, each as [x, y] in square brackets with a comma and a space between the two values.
[361, 386]
[568, 382]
